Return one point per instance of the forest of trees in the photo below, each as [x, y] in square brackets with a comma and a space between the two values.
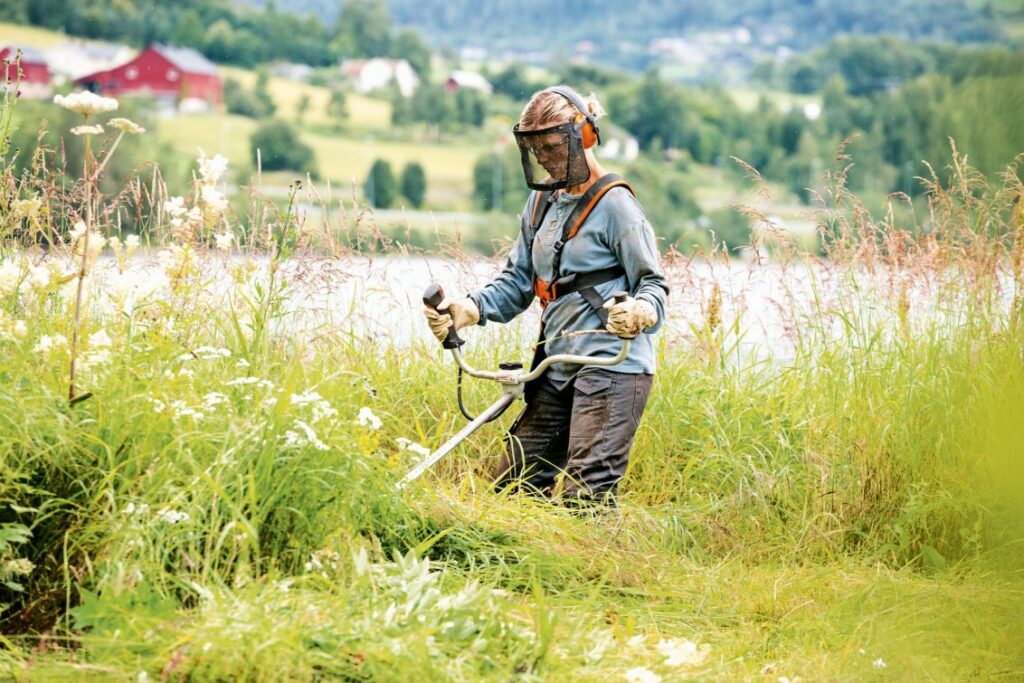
[230, 34]
[530, 25]
[905, 101]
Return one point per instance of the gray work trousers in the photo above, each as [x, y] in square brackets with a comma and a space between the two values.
[580, 434]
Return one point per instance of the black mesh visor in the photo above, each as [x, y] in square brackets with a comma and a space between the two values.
[553, 157]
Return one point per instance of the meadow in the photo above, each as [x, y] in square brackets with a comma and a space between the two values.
[198, 476]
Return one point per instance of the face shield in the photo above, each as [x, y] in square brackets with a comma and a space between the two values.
[553, 157]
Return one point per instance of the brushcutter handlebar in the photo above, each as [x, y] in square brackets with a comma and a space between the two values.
[434, 295]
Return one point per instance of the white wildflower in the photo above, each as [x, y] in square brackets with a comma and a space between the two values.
[241, 381]
[133, 509]
[210, 352]
[131, 242]
[100, 340]
[174, 260]
[241, 363]
[878, 663]
[366, 418]
[214, 399]
[323, 410]
[39, 277]
[213, 198]
[143, 677]
[86, 241]
[636, 641]
[86, 103]
[305, 398]
[10, 278]
[175, 206]
[92, 359]
[181, 409]
[126, 126]
[172, 516]
[642, 675]
[18, 567]
[19, 330]
[46, 343]
[682, 652]
[408, 445]
[27, 208]
[211, 168]
[307, 437]
[223, 241]
[92, 129]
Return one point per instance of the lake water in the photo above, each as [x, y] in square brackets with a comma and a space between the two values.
[764, 308]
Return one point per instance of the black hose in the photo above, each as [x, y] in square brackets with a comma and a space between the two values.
[462, 406]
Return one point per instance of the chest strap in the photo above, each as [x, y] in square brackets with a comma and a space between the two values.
[584, 283]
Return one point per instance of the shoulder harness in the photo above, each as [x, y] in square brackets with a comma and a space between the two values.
[584, 283]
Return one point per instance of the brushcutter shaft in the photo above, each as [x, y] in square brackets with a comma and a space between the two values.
[449, 445]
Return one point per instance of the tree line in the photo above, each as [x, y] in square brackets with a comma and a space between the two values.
[231, 34]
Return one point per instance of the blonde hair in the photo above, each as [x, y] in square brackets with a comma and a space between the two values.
[547, 108]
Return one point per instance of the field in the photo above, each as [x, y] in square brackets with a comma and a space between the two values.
[364, 113]
[201, 436]
[343, 157]
[205, 413]
[343, 160]
[29, 35]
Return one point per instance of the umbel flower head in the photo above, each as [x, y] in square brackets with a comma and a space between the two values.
[92, 129]
[126, 126]
[86, 103]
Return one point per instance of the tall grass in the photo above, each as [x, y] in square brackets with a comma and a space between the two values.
[223, 506]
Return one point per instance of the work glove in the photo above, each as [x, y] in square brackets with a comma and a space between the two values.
[461, 313]
[630, 318]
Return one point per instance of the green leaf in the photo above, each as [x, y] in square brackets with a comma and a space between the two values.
[932, 558]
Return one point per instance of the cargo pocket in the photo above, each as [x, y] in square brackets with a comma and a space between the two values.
[592, 383]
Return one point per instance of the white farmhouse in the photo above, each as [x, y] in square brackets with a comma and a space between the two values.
[459, 79]
[373, 74]
[73, 59]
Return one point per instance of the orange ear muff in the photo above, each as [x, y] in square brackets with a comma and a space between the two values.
[589, 136]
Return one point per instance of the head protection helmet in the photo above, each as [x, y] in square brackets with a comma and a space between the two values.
[553, 157]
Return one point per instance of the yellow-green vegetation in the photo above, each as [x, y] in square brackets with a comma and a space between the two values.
[364, 113]
[199, 451]
[747, 98]
[343, 160]
[31, 36]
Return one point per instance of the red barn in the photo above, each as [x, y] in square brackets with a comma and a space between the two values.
[168, 74]
[35, 74]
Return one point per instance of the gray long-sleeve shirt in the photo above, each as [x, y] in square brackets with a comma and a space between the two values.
[615, 233]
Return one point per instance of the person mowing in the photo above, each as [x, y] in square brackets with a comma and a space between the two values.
[583, 237]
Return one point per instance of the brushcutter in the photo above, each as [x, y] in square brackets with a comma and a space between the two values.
[510, 375]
